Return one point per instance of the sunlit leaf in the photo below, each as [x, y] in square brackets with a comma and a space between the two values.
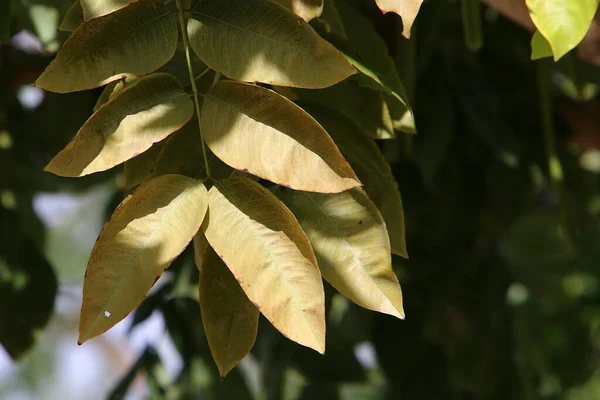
[352, 246]
[371, 167]
[406, 9]
[73, 19]
[144, 235]
[144, 112]
[540, 48]
[365, 106]
[307, 9]
[254, 129]
[102, 50]
[257, 40]
[230, 320]
[98, 8]
[563, 23]
[261, 242]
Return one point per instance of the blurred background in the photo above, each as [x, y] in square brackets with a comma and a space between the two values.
[501, 189]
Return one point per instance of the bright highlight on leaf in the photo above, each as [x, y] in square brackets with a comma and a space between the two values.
[370, 165]
[563, 23]
[144, 112]
[263, 245]
[133, 41]
[230, 320]
[406, 9]
[307, 9]
[257, 130]
[98, 8]
[352, 247]
[145, 234]
[259, 41]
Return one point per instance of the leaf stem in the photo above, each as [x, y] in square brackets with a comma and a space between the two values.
[186, 44]
[554, 166]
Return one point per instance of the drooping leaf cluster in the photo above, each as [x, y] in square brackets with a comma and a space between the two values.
[224, 113]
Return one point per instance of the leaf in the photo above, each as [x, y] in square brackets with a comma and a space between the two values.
[144, 112]
[254, 129]
[540, 48]
[371, 167]
[351, 243]
[363, 105]
[182, 154]
[27, 290]
[369, 54]
[150, 228]
[332, 19]
[106, 94]
[563, 23]
[101, 50]
[230, 320]
[73, 19]
[139, 168]
[261, 242]
[406, 9]
[99, 8]
[307, 9]
[257, 40]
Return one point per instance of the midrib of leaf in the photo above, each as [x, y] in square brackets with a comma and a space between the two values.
[344, 238]
[103, 43]
[145, 245]
[256, 236]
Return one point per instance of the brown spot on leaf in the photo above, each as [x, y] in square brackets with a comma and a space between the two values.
[360, 222]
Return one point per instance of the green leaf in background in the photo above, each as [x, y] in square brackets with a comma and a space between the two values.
[150, 228]
[371, 168]
[101, 51]
[365, 106]
[563, 23]
[265, 248]
[351, 243]
[73, 19]
[98, 8]
[5, 20]
[27, 290]
[230, 320]
[143, 113]
[333, 21]
[257, 40]
[406, 9]
[257, 130]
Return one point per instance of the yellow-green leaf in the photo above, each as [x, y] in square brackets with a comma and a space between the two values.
[257, 130]
[133, 41]
[540, 48]
[307, 9]
[99, 8]
[261, 242]
[73, 19]
[230, 320]
[144, 112]
[406, 9]
[352, 246]
[371, 167]
[150, 228]
[257, 40]
[563, 23]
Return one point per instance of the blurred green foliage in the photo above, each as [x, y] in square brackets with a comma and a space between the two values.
[502, 285]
